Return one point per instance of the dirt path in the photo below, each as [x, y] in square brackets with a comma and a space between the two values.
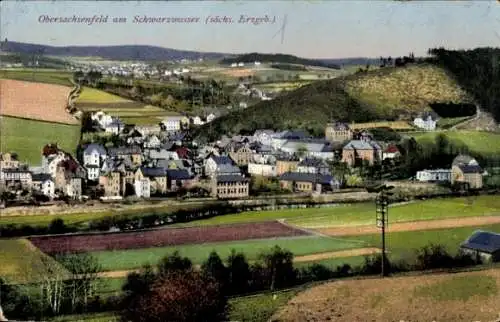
[337, 254]
[297, 259]
[411, 226]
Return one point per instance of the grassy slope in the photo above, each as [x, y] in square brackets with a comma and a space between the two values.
[97, 96]
[403, 244]
[21, 262]
[39, 76]
[483, 143]
[130, 259]
[377, 95]
[27, 137]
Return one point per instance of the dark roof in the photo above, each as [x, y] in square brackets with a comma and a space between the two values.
[295, 135]
[470, 168]
[306, 177]
[41, 177]
[94, 146]
[484, 241]
[312, 162]
[222, 159]
[124, 150]
[178, 174]
[19, 170]
[231, 178]
[154, 172]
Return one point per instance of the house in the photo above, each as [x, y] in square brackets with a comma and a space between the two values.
[93, 172]
[358, 150]
[211, 117]
[94, 154]
[313, 165]
[101, 118]
[183, 152]
[142, 187]
[220, 165]
[44, 184]
[286, 164]
[17, 176]
[8, 161]
[146, 130]
[197, 120]
[111, 182]
[74, 187]
[177, 178]
[50, 163]
[308, 182]
[162, 154]
[484, 245]
[390, 152]
[425, 123]
[230, 186]
[152, 142]
[264, 137]
[262, 169]
[338, 132]
[115, 127]
[240, 153]
[437, 175]
[309, 148]
[469, 175]
[156, 176]
[464, 159]
[174, 123]
[134, 152]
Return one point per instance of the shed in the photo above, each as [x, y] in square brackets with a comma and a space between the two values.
[483, 244]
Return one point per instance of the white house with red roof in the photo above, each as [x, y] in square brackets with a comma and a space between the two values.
[390, 152]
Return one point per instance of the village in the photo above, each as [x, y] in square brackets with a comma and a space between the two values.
[158, 161]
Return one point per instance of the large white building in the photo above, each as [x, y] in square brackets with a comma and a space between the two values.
[428, 124]
[439, 175]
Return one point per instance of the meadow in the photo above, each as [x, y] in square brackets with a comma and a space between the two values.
[483, 143]
[198, 253]
[27, 137]
[91, 95]
[48, 76]
[466, 296]
[21, 262]
[395, 125]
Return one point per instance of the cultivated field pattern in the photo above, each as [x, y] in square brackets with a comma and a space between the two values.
[35, 101]
[162, 237]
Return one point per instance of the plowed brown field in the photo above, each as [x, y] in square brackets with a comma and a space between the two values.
[162, 237]
[411, 226]
[35, 101]
[438, 297]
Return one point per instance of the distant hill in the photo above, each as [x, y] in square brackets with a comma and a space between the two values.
[352, 61]
[122, 52]
[277, 59]
[383, 94]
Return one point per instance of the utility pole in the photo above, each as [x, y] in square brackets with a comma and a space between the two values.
[382, 213]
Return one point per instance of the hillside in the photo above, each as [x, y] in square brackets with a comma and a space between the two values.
[277, 58]
[124, 52]
[382, 94]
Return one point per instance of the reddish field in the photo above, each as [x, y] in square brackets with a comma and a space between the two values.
[37, 101]
[162, 237]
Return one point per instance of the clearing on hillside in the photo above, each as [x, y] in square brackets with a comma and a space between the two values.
[91, 95]
[471, 296]
[21, 262]
[35, 101]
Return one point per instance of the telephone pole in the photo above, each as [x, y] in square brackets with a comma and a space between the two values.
[382, 213]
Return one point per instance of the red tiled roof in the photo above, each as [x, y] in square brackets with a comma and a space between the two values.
[392, 149]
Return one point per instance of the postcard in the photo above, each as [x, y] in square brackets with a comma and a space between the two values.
[253, 161]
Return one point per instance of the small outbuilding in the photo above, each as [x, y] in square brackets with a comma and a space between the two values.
[483, 244]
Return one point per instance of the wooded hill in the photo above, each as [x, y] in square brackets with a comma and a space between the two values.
[277, 58]
[388, 93]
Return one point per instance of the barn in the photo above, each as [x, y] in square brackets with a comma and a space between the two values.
[484, 244]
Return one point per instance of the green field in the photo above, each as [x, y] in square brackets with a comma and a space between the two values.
[48, 76]
[198, 253]
[21, 262]
[403, 244]
[27, 137]
[424, 210]
[447, 122]
[91, 95]
[483, 143]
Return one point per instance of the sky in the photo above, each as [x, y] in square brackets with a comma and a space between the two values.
[313, 29]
